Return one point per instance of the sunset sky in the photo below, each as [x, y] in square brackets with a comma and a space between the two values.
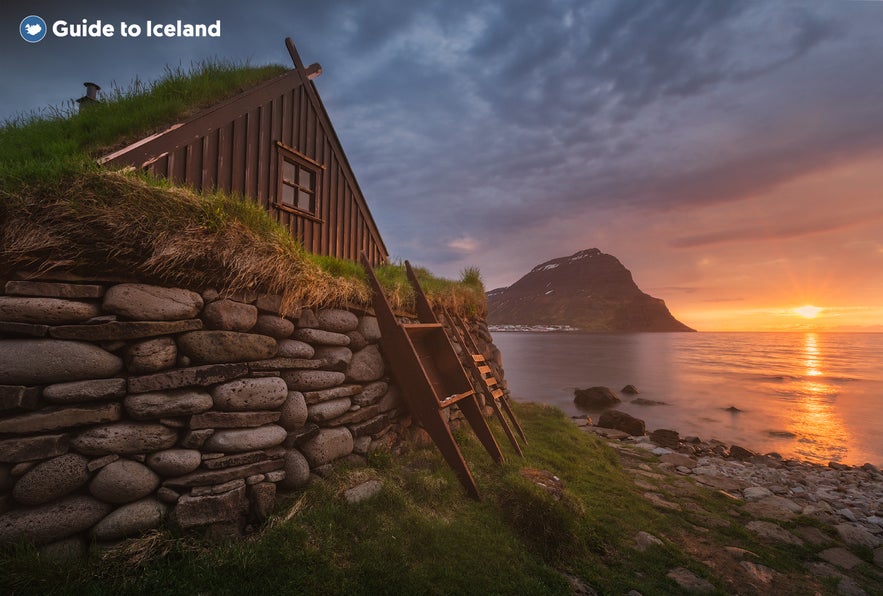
[730, 154]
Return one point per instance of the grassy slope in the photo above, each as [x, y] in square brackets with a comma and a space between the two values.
[421, 535]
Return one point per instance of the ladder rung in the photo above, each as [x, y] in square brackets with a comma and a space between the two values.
[452, 399]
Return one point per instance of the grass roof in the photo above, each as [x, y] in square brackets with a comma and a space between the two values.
[60, 210]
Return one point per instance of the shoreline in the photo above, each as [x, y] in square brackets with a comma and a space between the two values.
[849, 499]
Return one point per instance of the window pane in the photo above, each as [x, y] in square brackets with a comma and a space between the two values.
[287, 195]
[304, 200]
[305, 179]
[288, 171]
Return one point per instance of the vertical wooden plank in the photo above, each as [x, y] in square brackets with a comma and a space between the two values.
[209, 160]
[178, 166]
[264, 151]
[306, 115]
[238, 160]
[252, 142]
[333, 219]
[287, 106]
[347, 224]
[193, 176]
[225, 159]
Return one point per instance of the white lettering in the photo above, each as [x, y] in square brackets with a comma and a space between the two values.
[82, 29]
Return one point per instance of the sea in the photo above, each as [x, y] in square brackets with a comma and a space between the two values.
[808, 396]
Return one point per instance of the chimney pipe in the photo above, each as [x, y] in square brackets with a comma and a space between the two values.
[91, 95]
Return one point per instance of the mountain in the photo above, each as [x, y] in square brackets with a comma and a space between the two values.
[589, 290]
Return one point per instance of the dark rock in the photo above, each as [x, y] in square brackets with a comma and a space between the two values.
[12, 329]
[43, 361]
[142, 302]
[328, 445]
[123, 481]
[297, 470]
[191, 512]
[630, 390]
[294, 411]
[621, 421]
[119, 330]
[320, 337]
[740, 453]
[50, 419]
[52, 522]
[648, 402]
[312, 380]
[84, 391]
[314, 397]
[212, 477]
[732, 410]
[665, 438]
[228, 315]
[197, 375]
[233, 419]
[18, 397]
[337, 320]
[53, 290]
[174, 462]
[273, 326]
[292, 348]
[246, 439]
[52, 479]
[301, 435]
[262, 497]
[595, 398]
[150, 356]
[366, 365]
[160, 404]
[130, 520]
[52, 311]
[214, 347]
[124, 439]
[33, 448]
[250, 394]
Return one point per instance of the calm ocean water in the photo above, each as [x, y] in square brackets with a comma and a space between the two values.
[813, 396]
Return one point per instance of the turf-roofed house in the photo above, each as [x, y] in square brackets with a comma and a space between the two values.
[275, 144]
[198, 312]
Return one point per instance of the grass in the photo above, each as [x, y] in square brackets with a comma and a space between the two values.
[43, 147]
[568, 512]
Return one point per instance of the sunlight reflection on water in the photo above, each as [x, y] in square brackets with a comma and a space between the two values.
[814, 396]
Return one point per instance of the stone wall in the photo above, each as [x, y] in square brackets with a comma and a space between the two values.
[125, 405]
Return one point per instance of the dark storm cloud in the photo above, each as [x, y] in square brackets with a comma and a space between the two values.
[476, 125]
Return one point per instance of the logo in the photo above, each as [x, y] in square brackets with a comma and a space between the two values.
[32, 29]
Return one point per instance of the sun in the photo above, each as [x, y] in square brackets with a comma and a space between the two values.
[808, 311]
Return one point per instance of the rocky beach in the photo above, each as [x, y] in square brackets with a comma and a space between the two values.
[835, 510]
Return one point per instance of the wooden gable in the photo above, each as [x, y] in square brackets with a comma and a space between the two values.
[275, 144]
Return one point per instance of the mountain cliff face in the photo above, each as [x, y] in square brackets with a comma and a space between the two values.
[589, 290]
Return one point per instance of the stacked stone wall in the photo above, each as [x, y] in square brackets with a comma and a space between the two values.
[124, 406]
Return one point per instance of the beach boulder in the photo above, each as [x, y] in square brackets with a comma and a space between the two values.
[595, 398]
[622, 421]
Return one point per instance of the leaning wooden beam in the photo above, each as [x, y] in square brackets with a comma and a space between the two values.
[470, 407]
[421, 395]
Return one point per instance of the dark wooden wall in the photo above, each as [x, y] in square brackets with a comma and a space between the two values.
[234, 148]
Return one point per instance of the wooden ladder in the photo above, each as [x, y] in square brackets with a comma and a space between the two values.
[426, 368]
[492, 390]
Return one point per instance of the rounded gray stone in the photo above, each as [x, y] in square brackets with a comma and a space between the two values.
[366, 365]
[152, 355]
[130, 520]
[167, 404]
[124, 438]
[123, 481]
[328, 445]
[294, 411]
[43, 361]
[46, 311]
[215, 347]
[230, 315]
[52, 479]
[53, 522]
[371, 393]
[250, 394]
[357, 340]
[142, 302]
[337, 320]
[320, 337]
[297, 470]
[174, 462]
[312, 380]
[328, 410]
[274, 326]
[369, 328]
[85, 391]
[292, 348]
[336, 355]
[246, 439]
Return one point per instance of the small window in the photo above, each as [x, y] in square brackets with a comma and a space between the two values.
[298, 190]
